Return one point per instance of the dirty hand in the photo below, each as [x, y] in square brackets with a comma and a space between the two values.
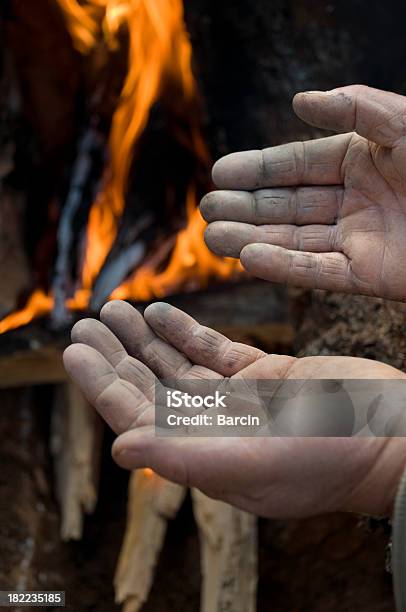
[116, 362]
[322, 214]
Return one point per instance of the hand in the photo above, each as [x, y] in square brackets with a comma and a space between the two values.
[322, 214]
[116, 363]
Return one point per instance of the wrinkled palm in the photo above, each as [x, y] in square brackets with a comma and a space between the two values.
[327, 213]
[116, 364]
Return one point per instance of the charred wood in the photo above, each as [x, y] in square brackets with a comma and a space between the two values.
[78, 200]
[251, 311]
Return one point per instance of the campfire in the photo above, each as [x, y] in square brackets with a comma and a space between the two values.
[116, 164]
[104, 249]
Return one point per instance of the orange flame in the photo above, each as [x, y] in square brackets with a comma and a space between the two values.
[159, 51]
[38, 304]
[190, 259]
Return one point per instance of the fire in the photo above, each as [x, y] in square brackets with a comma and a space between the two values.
[159, 51]
[190, 260]
[38, 304]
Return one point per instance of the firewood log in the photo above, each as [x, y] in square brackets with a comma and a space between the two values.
[228, 539]
[76, 445]
[152, 502]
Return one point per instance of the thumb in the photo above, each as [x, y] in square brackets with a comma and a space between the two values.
[186, 461]
[377, 115]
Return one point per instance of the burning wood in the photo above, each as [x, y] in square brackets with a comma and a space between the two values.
[158, 69]
[88, 271]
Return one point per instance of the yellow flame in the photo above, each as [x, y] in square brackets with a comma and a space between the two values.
[158, 46]
[159, 52]
[190, 259]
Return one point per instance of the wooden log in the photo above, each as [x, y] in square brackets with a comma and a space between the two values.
[32, 367]
[152, 502]
[248, 308]
[228, 539]
[75, 444]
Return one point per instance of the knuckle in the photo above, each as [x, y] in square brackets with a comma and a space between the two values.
[204, 340]
[299, 154]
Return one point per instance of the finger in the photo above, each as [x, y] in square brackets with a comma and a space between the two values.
[314, 162]
[138, 374]
[207, 348]
[121, 404]
[101, 338]
[299, 206]
[372, 113]
[141, 448]
[181, 459]
[331, 271]
[129, 326]
[211, 464]
[227, 239]
[95, 334]
[142, 342]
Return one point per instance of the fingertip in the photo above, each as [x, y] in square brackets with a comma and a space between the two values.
[156, 311]
[251, 253]
[75, 356]
[125, 457]
[80, 330]
[113, 308]
[240, 170]
[130, 449]
[68, 355]
[331, 110]
[208, 206]
[119, 315]
[210, 237]
[302, 102]
[297, 101]
[219, 171]
[220, 238]
[265, 261]
[107, 309]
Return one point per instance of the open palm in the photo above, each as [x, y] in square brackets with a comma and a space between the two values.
[116, 364]
[327, 213]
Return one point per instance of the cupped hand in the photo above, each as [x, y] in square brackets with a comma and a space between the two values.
[323, 214]
[116, 363]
